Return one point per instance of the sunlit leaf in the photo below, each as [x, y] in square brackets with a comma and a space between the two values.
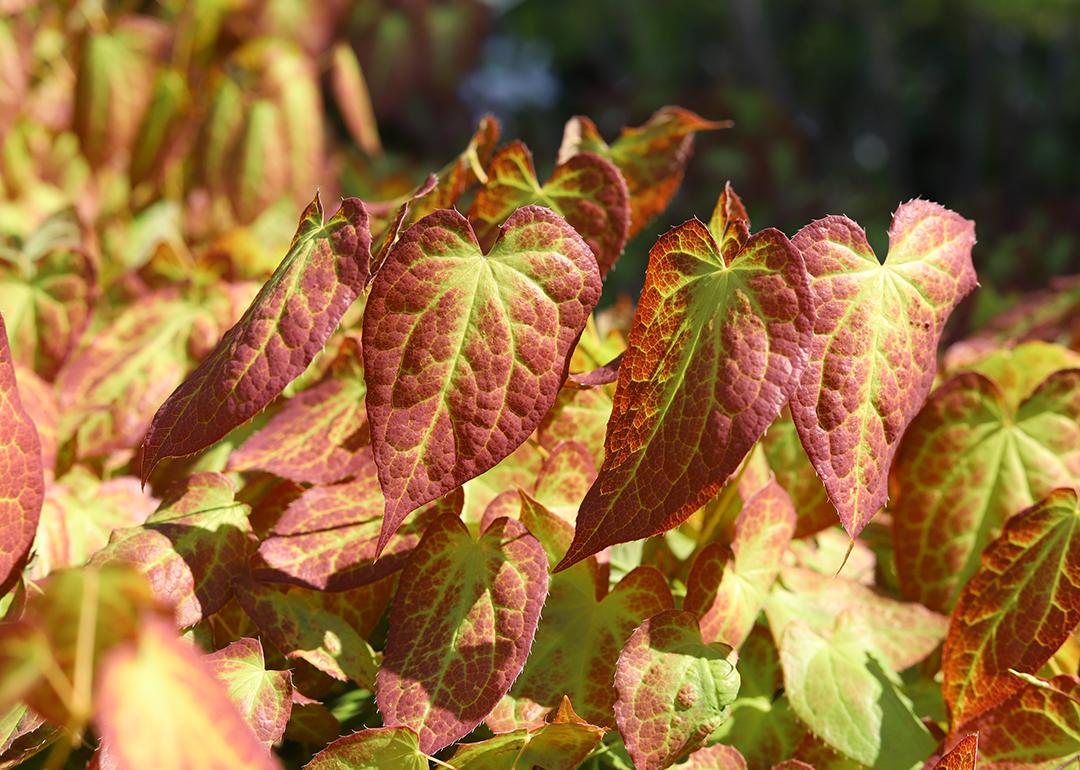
[564, 478]
[464, 353]
[961, 756]
[874, 344]
[716, 757]
[461, 626]
[715, 351]
[263, 697]
[1038, 723]
[377, 748]
[285, 326]
[673, 689]
[1018, 371]
[1020, 606]
[578, 415]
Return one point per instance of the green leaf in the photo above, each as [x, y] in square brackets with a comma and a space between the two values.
[263, 697]
[376, 748]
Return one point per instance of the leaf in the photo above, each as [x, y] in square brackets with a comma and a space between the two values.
[578, 415]
[564, 478]
[795, 474]
[837, 687]
[727, 595]
[200, 730]
[715, 758]
[715, 351]
[22, 480]
[874, 345]
[465, 353]
[190, 549]
[1017, 610]
[353, 99]
[376, 748]
[902, 633]
[1018, 371]
[461, 174]
[79, 515]
[461, 626]
[1040, 722]
[762, 725]
[327, 538]
[961, 756]
[42, 406]
[263, 697]
[652, 157]
[289, 321]
[326, 630]
[587, 190]
[582, 630]
[673, 689]
[47, 306]
[318, 437]
[1001, 459]
[49, 657]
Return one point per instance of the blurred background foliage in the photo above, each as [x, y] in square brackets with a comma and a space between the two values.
[840, 106]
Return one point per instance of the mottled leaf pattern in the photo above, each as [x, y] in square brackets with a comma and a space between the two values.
[464, 353]
[874, 344]
[715, 351]
[461, 626]
[961, 756]
[287, 324]
[1018, 608]
[716, 757]
[263, 697]
[377, 748]
[673, 689]
[1040, 722]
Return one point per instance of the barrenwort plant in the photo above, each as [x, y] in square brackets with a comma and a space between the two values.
[409, 499]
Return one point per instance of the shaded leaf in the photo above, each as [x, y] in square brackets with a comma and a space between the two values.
[587, 190]
[727, 594]
[874, 344]
[263, 697]
[715, 351]
[578, 415]
[200, 730]
[1017, 610]
[1001, 459]
[286, 325]
[376, 748]
[564, 478]
[464, 353]
[673, 689]
[795, 474]
[22, 480]
[461, 626]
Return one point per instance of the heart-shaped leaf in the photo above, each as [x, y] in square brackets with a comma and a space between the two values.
[376, 748]
[715, 352]
[289, 321]
[874, 347]
[1017, 610]
[587, 190]
[1001, 459]
[464, 353]
[673, 689]
[461, 626]
[263, 697]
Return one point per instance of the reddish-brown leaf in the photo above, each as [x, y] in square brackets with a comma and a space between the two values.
[716, 757]
[715, 351]
[285, 326]
[961, 756]
[22, 481]
[263, 697]
[461, 626]
[1039, 723]
[1017, 610]
[464, 353]
[874, 347]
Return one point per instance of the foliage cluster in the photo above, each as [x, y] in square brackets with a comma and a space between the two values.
[405, 497]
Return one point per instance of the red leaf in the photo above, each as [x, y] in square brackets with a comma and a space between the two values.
[465, 353]
[461, 627]
[287, 324]
[962, 755]
[263, 697]
[1038, 723]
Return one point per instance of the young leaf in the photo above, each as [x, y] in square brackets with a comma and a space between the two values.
[464, 353]
[376, 748]
[961, 756]
[673, 689]
[318, 437]
[263, 697]
[715, 758]
[840, 690]
[727, 595]
[461, 626]
[582, 630]
[874, 345]
[1018, 371]
[1040, 722]
[715, 351]
[1000, 459]
[326, 630]
[285, 326]
[200, 729]
[1017, 610]
[586, 189]
[190, 549]
[327, 538]
[652, 157]
[22, 480]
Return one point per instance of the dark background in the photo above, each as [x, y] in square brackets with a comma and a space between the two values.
[840, 106]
